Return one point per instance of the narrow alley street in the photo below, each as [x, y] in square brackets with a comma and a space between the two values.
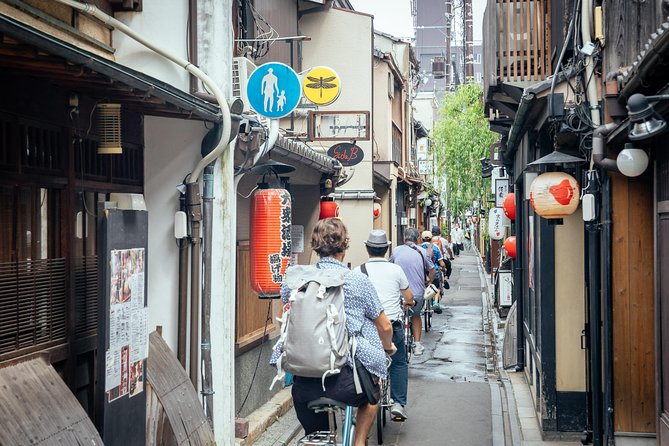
[449, 391]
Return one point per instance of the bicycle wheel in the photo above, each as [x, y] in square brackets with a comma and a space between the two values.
[380, 416]
[408, 338]
[428, 316]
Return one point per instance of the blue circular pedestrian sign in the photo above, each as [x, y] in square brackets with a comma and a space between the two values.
[274, 90]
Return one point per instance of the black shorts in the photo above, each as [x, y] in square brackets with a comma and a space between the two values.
[339, 387]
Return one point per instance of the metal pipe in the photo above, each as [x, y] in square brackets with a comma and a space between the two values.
[192, 41]
[607, 325]
[517, 266]
[182, 324]
[205, 346]
[599, 144]
[194, 203]
[591, 85]
[594, 325]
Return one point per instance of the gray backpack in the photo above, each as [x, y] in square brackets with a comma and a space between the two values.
[315, 342]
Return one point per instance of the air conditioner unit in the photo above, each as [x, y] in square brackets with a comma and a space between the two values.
[241, 71]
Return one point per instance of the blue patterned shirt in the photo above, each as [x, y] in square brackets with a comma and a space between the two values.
[362, 306]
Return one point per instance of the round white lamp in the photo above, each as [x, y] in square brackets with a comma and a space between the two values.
[632, 161]
[428, 202]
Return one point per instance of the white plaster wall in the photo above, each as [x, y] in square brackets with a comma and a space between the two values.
[569, 304]
[425, 109]
[382, 112]
[344, 41]
[172, 149]
[164, 23]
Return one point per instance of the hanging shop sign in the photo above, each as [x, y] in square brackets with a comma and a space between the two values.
[496, 220]
[271, 246]
[346, 153]
[274, 90]
[554, 194]
[321, 85]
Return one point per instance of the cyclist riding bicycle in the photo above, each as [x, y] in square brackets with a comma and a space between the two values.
[418, 268]
[365, 321]
[434, 253]
[392, 287]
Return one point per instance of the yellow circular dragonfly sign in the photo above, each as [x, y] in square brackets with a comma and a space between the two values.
[321, 85]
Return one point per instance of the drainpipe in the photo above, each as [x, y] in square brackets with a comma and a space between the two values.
[517, 266]
[205, 346]
[598, 147]
[193, 201]
[586, 36]
[183, 293]
[607, 325]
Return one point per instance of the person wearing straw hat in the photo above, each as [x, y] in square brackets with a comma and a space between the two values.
[392, 287]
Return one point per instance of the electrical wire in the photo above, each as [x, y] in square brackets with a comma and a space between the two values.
[262, 343]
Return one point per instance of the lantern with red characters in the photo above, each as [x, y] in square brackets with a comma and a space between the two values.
[510, 246]
[554, 194]
[509, 206]
[271, 241]
[377, 211]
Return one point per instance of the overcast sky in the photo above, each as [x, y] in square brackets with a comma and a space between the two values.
[390, 16]
[394, 16]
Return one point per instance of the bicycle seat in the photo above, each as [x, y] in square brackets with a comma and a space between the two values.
[322, 404]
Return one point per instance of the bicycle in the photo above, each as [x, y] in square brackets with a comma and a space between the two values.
[385, 404]
[427, 313]
[332, 437]
[408, 334]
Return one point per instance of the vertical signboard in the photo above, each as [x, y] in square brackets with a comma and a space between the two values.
[123, 341]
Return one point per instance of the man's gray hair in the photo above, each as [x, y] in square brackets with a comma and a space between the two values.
[411, 235]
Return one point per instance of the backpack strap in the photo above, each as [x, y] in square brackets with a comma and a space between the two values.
[425, 269]
[363, 269]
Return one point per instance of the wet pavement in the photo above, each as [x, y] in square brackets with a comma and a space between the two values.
[449, 395]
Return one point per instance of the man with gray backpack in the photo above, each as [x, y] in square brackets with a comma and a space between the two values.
[334, 334]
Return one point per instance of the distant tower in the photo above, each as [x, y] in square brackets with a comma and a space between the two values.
[469, 39]
[432, 24]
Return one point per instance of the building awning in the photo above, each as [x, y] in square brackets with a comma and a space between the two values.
[26, 51]
[305, 155]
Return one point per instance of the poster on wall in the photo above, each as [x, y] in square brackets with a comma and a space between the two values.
[128, 325]
[505, 298]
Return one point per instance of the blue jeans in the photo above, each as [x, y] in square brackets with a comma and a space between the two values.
[399, 369]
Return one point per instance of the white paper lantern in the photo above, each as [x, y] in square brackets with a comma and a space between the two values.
[554, 195]
[496, 223]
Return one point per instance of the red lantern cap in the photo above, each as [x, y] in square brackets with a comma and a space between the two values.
[510, 246]
[509, 205]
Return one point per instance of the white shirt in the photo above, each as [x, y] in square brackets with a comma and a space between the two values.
[389, 280]
[459, 236]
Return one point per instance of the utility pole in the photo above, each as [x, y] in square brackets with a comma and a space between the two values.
[449, 21]
[469, 40]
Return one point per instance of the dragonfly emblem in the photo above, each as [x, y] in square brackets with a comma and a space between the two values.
[321, 83]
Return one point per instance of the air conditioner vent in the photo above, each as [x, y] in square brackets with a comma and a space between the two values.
[241, 71]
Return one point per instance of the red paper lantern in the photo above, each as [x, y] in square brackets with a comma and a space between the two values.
[270, 244]
[377, 210]
[509, 205]
[554, 195]
[329, 209]
[510, 246]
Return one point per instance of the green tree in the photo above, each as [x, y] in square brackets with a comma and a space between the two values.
[461, 138]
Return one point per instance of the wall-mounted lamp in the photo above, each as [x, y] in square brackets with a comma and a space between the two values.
[632, 161]
[646, 122]
[486, 167]
[109, 129]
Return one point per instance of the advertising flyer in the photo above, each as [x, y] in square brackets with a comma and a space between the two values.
[128, 325]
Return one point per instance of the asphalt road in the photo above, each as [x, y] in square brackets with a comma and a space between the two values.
[449, 395]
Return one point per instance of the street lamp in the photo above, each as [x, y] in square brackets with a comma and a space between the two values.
[646, 122]
[632, 161]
